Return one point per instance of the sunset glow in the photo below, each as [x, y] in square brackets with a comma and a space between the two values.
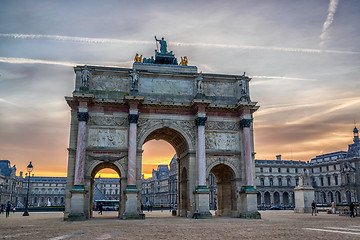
[303, 60]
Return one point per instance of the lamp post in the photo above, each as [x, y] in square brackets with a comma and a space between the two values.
[1, 186]
[29, 169]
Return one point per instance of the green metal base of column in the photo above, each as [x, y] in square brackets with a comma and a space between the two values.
[250, 215]
[78, 188]
[248, 189]
[131, 188]
[202, 189]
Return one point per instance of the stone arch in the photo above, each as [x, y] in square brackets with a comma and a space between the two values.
[226, 189]
[338, 197]
[276, 198]
[97, 166]
[267, 199]
[286, 198]
[225, 162]
[181, 142]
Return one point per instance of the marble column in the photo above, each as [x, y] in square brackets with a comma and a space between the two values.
[249, 175]
[80, 149]
[200, 122]
[133, 118]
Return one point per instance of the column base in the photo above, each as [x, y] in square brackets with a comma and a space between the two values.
[202, 210]
[77, 204]
[76, 217]
[131, 204]
[248, 198]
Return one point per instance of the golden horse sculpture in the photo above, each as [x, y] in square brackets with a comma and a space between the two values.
[138, 59]
[184, 61]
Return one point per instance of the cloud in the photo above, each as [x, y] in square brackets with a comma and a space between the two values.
[206, 45]
[329, 19]
[40, 61]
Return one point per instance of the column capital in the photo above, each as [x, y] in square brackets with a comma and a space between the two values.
[83, 116]
[133, 118]
[245, 122]
[200, 121]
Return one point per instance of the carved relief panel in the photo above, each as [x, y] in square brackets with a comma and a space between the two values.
[104, 137]
[222, 140]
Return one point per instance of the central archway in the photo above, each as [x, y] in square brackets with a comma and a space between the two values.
[108, 188]
[181, 144]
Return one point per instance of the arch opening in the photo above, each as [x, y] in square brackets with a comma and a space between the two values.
[226, 189]
[162, 165]
[105, 191]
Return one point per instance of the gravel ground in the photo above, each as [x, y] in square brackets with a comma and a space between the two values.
[273, 225]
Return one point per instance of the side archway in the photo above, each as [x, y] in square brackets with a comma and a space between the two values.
[226, 189]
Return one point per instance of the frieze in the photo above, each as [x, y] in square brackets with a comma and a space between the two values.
[219, 125]
[113, 138]
[108, 121]
[221, 141]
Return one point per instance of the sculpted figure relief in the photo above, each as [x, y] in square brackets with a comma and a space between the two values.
[85, 77]
[199, 81]
[134, 79]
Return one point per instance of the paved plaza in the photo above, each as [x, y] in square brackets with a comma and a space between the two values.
[273, 225]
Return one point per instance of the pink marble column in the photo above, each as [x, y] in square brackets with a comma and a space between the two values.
[81, 148]
[200, 122]
[132, 149]
[249, 178]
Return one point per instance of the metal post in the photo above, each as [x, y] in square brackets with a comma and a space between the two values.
[26, 213]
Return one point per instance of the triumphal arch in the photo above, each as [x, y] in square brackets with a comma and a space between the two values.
[207, 118]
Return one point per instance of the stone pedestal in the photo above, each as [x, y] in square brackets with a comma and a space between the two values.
[248, 199]
[304, 195]
[77, 204]
[131, 203]
[202, 202]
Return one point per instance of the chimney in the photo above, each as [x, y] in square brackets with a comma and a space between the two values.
[278, 157]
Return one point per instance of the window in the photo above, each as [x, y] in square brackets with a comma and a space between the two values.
[270, 169]
[320, 169]
[296, 170]
[280, 181]
[329, 182]
[279, 169]
[296, 181]
[334, 167]
[312, 170]
[336, 180]
[322, 181]
[327, 168]
[271, 182]
[348, 178]
[262, 182]
[261, 169]
[288, 170]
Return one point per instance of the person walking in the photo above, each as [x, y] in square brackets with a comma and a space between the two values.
[313, 208]
[100, 209]
[8, 207]
[352, 210]
[2, 209]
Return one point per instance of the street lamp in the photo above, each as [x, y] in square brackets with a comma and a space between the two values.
[29, 169]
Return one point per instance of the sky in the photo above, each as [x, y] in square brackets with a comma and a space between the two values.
[303, 58]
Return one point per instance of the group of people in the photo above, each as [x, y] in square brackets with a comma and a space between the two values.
[7, 209]
[352, 209]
